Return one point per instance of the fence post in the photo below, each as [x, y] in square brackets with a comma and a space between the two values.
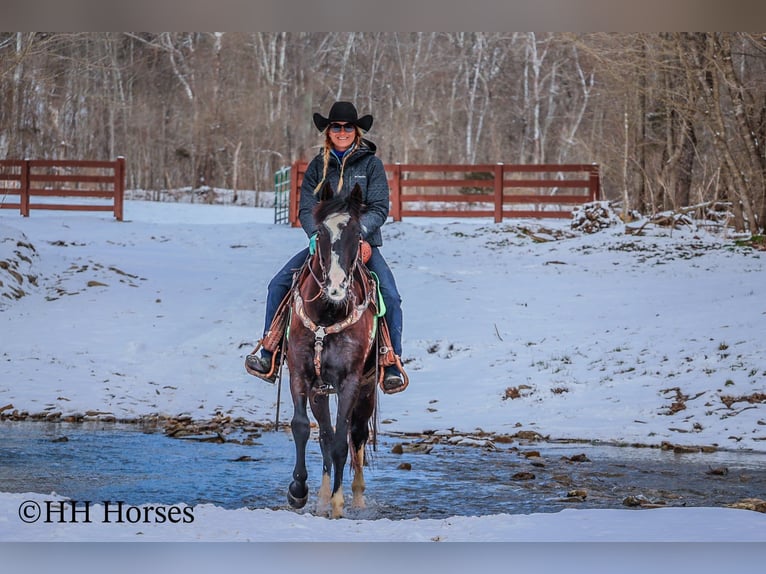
[24, 191]
[119, 187]
[594, 184]
[294, 191]
[498, 192]
[396, 192]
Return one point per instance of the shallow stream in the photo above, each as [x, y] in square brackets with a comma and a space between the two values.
[140, 465]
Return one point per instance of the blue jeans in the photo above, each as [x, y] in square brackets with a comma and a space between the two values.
[280, 285]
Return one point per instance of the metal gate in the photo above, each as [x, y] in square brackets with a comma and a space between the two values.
[282, 195]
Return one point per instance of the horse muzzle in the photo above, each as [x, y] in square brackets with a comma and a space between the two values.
[337, 292]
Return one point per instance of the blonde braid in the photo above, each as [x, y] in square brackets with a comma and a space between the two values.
[326, 158]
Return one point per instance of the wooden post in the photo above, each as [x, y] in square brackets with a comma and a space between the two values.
[119, 187]
[396, 192]
[295, 189]
[498, 192]
[594, 185]
[24, 191]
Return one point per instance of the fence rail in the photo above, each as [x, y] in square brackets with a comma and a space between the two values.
[30, 184]
[483, 190]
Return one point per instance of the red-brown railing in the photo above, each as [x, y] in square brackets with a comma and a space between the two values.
[25, 183]
[487, 190]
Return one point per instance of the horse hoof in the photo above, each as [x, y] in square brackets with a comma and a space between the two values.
[297, 500]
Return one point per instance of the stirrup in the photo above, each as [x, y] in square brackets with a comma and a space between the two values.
[391, 385]
[269, 376]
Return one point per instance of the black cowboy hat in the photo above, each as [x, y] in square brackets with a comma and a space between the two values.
[343, 112]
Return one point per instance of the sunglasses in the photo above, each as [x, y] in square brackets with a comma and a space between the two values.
[337, 128]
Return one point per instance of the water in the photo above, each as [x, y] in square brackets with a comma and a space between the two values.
[106, 461]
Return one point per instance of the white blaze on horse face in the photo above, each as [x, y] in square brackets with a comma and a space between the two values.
[336, 276]
[335, 224]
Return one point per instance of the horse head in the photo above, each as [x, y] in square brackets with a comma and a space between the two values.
[337, 242]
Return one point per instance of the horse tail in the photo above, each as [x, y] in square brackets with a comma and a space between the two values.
[374, 422]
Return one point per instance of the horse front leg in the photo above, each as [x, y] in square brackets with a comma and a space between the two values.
[339, 456]
[346, 398]
[321, 408]
[360, 433]
[298, 492]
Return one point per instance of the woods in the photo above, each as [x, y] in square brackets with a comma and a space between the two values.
[673, 119]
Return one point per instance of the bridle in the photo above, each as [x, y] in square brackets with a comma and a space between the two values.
[357, 310]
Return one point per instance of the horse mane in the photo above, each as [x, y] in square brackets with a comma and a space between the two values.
[330, 203]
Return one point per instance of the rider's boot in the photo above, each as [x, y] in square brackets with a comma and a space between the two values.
[264, 366]
[393, 379]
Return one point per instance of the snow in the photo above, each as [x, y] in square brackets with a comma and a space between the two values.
[509, 327]
[262, 525]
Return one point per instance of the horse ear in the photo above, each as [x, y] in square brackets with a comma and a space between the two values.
[355, 199]
[326, 192]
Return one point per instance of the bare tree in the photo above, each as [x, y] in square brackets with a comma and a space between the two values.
[671, 118]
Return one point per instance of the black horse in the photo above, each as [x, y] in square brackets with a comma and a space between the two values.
[331, 351]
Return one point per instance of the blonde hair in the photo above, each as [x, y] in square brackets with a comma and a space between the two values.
[327, 148]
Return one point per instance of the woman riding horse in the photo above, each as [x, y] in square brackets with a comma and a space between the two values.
[346, 160]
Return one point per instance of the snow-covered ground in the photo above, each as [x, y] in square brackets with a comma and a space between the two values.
[509, 327]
